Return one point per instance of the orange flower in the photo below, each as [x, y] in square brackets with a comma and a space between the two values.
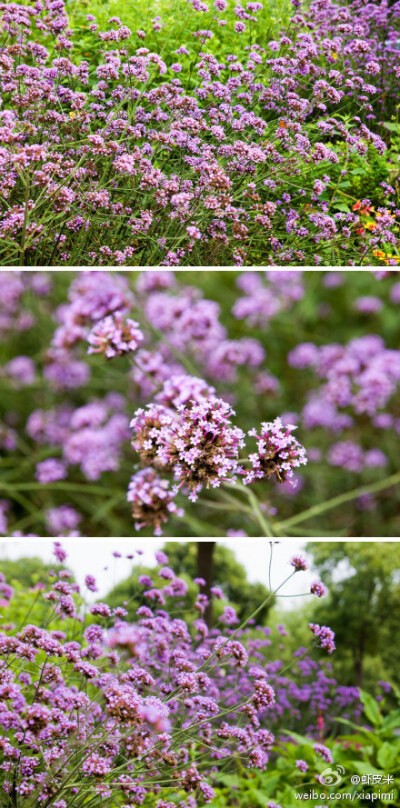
[363, 210]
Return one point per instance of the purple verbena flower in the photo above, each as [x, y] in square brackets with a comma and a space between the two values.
[318, 588]
[299, 563]
[115, 336]
[278, 453]
[50, 470]
[152, 500]
[324, 752]
[198, 444]
[325, 635]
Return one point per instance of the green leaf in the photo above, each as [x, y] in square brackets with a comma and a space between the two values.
[371, 708]
[393, 127]
[299, 738]
[391, 721]
[349, 723]
[388, 756]
[269, 785]
[259, 796]
[396, 692]
[230, 780]
[341, 206]
[363, 767]
[358, 738]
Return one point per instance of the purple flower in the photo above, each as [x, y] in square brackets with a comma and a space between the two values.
[152, 500]
[4, 508]
[324, 752]
[64, 372]
[95, 765]
[61, 519]
[299, 563]
[21, 370]
[347, 454]
[115, 336]
[229, 616]
[325, 635]
[278, 452]
[59, 552]
[184, 389]
[161, 557]
[101, 609]
[318, 588]
[303, 355]
[50, 470]
[198, 444]
[264, 695]
[90, 582]
[368, 305]
[375, 458]
[395, 293]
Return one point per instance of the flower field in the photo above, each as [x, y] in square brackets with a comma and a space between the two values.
[199, 134]
[199, 404]
[165, 709]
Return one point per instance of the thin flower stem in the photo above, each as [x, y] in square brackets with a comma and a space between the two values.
[157, 386]
[271, 549]
[255, 508]
[267, 531]
[60, 485]
[316, 510]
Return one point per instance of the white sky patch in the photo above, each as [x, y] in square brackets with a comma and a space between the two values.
[94, 557]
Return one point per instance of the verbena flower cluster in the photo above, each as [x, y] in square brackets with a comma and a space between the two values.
[278, 452]
[113, 336]
[120, 386]
[240, 146]
[199, 445]
[94, 704]
[359, 379]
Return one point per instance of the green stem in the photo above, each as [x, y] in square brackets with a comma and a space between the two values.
[316, 510]
[267, 531]
[25, 224]
[60, 486]
[255, 508]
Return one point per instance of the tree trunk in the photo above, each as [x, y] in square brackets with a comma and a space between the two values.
[205, 553]
[358, 661]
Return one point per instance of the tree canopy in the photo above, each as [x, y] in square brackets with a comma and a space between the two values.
[363, 606]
